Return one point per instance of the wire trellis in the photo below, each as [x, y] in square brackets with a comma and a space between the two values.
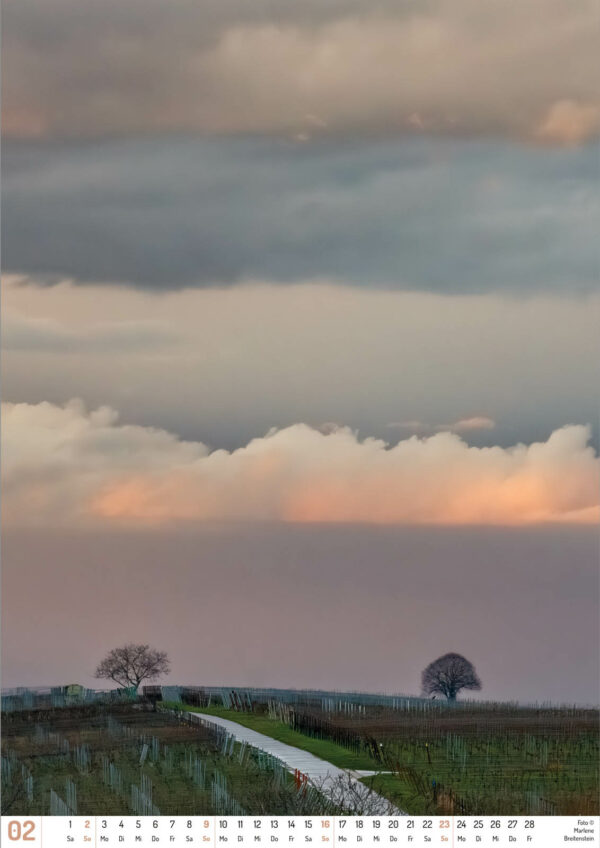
[141, 798]
[82, 758]
[112, 776]
[57, 805]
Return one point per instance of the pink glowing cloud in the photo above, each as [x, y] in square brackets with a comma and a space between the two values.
[67, 465]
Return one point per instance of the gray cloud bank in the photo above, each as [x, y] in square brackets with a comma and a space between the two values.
[306, 68]
[250, 357]
[421, 215]
[345, 607]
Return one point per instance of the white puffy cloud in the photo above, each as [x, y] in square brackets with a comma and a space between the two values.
[65, 465]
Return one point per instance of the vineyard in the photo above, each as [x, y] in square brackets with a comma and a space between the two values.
[131, 760]
[153, 757]
[434, 758]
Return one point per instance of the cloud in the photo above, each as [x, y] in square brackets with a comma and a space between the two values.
[421, 215]
[445, 66]
[569, 122]
[476, 422]
[464, 425]
[20, 333]
[67, 465]
[252, 356]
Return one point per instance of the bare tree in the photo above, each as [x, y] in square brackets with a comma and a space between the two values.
[131, 664]
[448, 675]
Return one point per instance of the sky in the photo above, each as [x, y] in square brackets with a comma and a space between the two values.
[299, 327]
[310, 606]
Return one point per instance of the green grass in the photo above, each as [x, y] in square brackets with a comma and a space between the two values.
[322, 748]
[396, 790]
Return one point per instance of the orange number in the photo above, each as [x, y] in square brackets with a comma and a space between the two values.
[14, 831]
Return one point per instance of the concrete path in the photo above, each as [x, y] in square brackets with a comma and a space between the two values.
[338, 784]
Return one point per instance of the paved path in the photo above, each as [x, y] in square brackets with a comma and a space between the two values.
[338, 784]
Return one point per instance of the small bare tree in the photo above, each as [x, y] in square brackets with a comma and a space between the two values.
[131, 664]
[448, 675]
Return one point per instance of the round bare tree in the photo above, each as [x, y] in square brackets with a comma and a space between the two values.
[448, 675]
[131, 664]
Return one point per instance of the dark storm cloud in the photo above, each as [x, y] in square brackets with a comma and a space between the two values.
[422, 215]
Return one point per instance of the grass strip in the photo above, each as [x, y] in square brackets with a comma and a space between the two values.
[322, 748]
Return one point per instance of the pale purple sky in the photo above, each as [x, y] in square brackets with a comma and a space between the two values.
[352, 607]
